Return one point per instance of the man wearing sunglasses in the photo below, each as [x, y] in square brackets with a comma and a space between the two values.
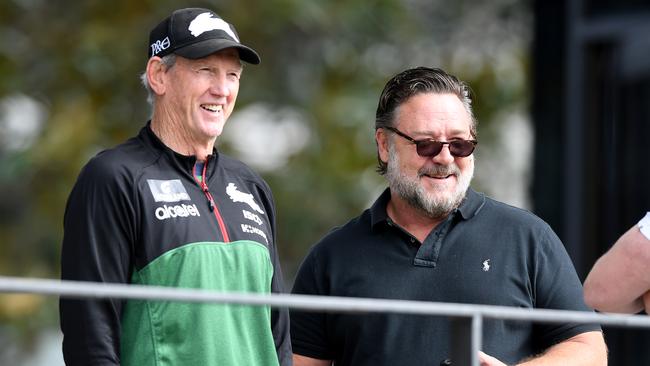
[430, 237]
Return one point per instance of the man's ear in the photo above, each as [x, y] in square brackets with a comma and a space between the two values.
[382, 144]
[156, 75]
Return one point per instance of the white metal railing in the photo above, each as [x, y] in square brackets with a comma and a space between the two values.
[467, 319]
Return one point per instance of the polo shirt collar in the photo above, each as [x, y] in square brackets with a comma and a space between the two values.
[378, 213]
[470, 207]
[472, 204]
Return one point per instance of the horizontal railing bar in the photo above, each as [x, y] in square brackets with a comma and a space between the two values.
[311, 303]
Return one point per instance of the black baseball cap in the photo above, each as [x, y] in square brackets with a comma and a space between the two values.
[195, 33]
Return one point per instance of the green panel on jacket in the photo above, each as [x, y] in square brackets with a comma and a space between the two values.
[178, 333]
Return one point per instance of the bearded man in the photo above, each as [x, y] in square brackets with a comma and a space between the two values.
[429, 237]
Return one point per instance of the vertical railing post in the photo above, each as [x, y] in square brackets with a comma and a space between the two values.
[466, 338]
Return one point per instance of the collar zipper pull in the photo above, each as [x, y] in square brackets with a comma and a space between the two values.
[211, 204]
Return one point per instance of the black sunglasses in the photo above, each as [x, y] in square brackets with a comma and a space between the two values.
[430, 147]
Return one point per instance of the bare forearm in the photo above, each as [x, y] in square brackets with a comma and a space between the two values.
[603, 295]
[620, 277]
[299, 360]
[586, 349]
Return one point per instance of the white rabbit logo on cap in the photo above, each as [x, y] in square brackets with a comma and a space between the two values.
[204, 22]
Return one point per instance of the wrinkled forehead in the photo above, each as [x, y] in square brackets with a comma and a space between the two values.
[429, 110]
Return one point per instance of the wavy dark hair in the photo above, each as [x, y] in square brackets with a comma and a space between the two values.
[417, 81]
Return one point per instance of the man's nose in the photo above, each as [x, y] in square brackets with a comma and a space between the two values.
[444, 157]
[219, 86]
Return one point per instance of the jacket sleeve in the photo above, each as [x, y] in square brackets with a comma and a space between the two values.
[98, 231]
[279, 316]
[280, 319]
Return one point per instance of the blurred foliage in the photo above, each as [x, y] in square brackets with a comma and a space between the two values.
[327, 59]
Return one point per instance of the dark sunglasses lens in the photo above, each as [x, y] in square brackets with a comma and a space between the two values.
[428, 148]
[461, 148]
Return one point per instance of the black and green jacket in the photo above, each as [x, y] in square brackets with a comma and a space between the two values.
[138, 215]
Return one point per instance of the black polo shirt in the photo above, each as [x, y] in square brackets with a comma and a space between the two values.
[486, 252]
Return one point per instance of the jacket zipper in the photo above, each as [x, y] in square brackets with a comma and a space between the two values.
[213, 206]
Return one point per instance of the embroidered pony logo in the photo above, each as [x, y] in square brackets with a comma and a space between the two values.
[486, 265]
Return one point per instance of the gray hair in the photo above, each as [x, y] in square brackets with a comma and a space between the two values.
[168, 61]
[415, 81]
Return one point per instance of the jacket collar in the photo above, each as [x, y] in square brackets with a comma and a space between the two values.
[184, 163]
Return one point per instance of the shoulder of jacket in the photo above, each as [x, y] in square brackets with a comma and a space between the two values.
[127, 158]
[236, 168]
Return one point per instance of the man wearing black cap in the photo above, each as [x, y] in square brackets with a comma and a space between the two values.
[165, 208]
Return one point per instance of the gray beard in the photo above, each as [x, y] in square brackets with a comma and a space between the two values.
[411, 190]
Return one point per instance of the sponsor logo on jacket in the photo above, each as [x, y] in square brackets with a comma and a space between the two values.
[171, 191]
[167, 212]
[253, 230]
[168, 190]
[251, 216]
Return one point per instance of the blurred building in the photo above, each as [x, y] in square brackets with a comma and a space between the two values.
[591, 110]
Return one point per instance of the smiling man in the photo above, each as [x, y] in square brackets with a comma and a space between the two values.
[167, 209]
[430, 237]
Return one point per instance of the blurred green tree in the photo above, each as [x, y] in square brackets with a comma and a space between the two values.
[69, 87]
